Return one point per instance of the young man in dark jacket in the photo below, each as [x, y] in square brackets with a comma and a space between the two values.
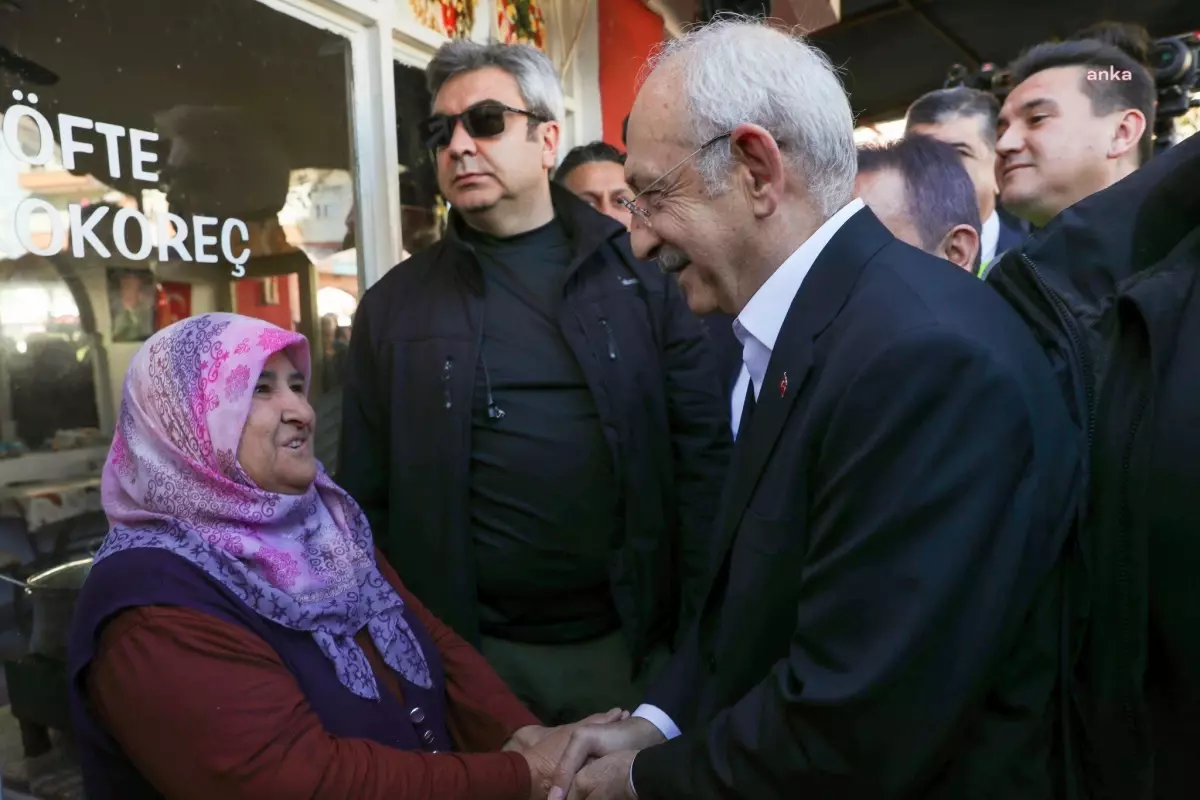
[1069, 128]
[533, 420]
[1111, 286]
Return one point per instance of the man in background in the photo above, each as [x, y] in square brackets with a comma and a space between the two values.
[595, 172]
[1125, 264]
[1078, 119]
[1134, 40]
[334, 347]
[965, 119]
[921, 192]
[133, 311]
[532, 419]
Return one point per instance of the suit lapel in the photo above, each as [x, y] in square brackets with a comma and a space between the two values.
[821, 297]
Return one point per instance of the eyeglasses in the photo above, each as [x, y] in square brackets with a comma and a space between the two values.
[481, 121]
[638, 211]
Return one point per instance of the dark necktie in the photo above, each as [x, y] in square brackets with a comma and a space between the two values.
[747, 408]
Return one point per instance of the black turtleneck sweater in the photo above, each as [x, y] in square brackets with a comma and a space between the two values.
[544, 497]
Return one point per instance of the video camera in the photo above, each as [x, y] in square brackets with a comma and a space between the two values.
[987, 78]
[1175, 64]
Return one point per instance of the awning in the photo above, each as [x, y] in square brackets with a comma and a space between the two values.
[893, 51]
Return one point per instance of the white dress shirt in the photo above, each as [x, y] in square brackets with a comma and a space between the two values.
[989, 238]
[757, 328]
[758, 325]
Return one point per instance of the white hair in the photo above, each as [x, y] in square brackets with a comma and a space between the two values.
[536, 79]
[740, 69]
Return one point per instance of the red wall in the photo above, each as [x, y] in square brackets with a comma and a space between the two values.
[628, 31]
[249, 301]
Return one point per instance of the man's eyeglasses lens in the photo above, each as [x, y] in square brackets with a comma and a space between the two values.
[481, 121]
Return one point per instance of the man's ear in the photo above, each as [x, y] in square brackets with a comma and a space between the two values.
[549, 135]
[1128, 133]
[757, 152]
[960, 247]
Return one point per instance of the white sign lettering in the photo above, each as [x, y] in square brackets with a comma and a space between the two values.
[170, 231]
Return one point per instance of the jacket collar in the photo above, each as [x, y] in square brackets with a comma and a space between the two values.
[1090, 250]
[586, 227]
[819, 300]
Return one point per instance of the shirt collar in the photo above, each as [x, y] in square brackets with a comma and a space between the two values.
[989, 238]
[763, 316]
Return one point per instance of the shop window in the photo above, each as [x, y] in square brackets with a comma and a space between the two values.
[164, 159]
[422, 210]
[47, 372]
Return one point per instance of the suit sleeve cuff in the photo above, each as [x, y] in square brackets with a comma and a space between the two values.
[658, 718]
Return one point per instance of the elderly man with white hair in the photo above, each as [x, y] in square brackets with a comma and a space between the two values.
[882, 612]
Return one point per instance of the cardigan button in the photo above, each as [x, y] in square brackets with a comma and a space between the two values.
[417, 715]
[428, 737]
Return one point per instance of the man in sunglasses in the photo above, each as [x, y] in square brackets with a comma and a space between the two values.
[533, 420]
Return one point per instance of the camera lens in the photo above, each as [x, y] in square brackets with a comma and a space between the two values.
[1171, 61]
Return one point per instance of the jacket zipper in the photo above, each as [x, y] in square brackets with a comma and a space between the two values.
[1125, 520]
[1085, 358]
[447, 372]
[612, 341]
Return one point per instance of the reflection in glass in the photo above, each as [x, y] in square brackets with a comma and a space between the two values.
[219, 132]
[420, 223]
[47, 382]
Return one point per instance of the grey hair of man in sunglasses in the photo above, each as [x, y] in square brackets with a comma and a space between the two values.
[495, 131]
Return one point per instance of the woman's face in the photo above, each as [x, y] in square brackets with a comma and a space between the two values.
[276, 449]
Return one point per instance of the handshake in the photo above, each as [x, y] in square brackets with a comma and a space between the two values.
[588, 760]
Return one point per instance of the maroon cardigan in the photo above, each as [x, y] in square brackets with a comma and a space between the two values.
[157, 667]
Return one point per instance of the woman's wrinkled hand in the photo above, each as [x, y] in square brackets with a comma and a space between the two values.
[526, 738]
[543, 747]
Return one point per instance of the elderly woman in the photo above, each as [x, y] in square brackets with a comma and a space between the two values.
[239, 636]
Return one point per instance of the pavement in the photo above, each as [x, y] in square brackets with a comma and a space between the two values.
[53, 776]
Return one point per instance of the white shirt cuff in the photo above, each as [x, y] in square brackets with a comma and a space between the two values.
[632, 788]
[656, 717]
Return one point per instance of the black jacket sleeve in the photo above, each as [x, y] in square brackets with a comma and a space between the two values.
[700, 443]
[924, 501]
[363, 457]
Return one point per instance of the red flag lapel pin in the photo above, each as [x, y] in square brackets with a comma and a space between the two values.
[783, 385]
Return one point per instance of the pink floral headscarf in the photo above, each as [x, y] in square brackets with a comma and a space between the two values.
[172, 481]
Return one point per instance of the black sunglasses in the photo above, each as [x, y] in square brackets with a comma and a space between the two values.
[481, 121]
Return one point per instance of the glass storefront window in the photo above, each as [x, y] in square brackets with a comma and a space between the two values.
[159, 160]
[422, 210]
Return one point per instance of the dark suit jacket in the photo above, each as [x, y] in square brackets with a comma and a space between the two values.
[883, 614]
